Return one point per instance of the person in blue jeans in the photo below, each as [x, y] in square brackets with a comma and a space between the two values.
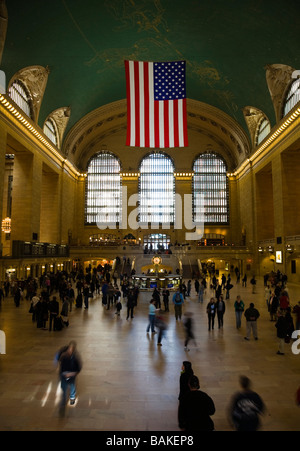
[239, 307]
[151, 315]
[70, 366]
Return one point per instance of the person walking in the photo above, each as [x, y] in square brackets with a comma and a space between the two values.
[239, 307]
[166, 295]
[86, 294]
[70, 366]
[195, 409]
[273, 306]
[246, 407]
[71, 296]
[253, 283]
[220, 308]
[188, 324]
[156, 297]
[282, 331]
[54, 311]
[252, 315]
[151, 316]
[161, 325]
[211, 312]
[178, 301]
[296, 311]
[130, 303]
[200, 293]
[186, 373]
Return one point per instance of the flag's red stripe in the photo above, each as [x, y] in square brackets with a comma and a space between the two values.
[156, 124]
[166, 124]
[128, 103]
[185, 135]
[176, 131]
[146, 104]
[137, 103]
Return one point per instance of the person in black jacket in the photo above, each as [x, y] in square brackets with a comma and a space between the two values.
[220, 308]
[54, 311]
[195, 409]
[281, 326]
[186, 373]
[245, 407]
[70, 366]
[252, 315]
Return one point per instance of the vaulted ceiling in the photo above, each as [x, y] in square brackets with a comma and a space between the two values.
[226, 45]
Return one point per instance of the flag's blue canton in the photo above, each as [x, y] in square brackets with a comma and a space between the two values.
[169, 80]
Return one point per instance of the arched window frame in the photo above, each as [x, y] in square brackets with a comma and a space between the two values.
[263, 129]
[50, 130]
[292, 97]
[161, 185]
[22, 97]
[210, 191]
[103, 191]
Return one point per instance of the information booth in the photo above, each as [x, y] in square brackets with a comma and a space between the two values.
[157, 275]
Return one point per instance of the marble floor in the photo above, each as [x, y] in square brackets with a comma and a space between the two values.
[128, 383]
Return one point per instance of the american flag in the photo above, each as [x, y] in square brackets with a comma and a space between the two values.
[156, 104]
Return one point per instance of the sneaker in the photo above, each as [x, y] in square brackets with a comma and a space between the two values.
[246, 338]
[280, 353]
[159, 344]
[72, 402]
[186, 348]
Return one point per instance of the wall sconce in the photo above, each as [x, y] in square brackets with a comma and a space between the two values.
[260, 249]
[6, 225]
[289, 248]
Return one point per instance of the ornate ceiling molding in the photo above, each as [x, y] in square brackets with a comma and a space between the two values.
[278, 78]
[253, 117]
[35, 79]
[61, 118]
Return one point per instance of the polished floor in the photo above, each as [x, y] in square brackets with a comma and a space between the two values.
[128, 383]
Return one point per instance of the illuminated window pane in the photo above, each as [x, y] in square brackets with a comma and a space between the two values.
[157, 241]
[103, 190]
[293, 96]
[157, 190]
[20, 95]
[50, 131]
[210, 190]
[263, 131]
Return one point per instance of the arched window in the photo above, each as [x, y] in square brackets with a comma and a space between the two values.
[20, 95]
[292, 97]
[156, 189]
[210, 190]
[263, 130]
[103, 204]
[50, 130]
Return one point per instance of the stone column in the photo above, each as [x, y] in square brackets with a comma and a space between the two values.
[26, 197]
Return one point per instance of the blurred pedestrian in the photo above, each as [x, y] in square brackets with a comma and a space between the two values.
[246, 407]
[188, 324]
[69, 367]
[161, 325]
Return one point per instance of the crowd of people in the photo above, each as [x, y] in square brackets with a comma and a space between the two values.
[53, 296]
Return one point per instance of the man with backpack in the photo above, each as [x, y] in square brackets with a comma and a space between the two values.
[178, 301]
